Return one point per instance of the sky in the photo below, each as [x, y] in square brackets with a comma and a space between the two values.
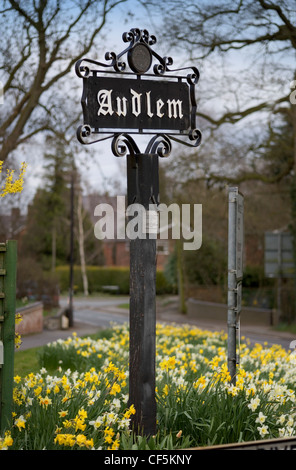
[101, 170]
[214, 78]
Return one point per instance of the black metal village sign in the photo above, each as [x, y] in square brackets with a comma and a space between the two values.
[137, 92]
[115, 100]
[138, 104]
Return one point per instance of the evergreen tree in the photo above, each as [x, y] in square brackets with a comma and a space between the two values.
[47, 233]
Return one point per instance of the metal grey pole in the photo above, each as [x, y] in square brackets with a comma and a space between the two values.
[231, 316]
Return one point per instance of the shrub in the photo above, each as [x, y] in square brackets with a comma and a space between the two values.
[99, 276]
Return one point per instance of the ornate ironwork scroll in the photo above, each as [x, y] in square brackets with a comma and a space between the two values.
[121, 98]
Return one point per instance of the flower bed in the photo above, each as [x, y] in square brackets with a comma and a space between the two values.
[83, 405]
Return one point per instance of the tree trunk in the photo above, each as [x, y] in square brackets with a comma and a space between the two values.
[81, 243]
[182, 303]
[53, 247]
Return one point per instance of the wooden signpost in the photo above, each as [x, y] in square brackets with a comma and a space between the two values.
[8, 261]
[119, 99]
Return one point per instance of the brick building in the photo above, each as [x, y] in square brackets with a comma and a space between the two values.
[116, 249]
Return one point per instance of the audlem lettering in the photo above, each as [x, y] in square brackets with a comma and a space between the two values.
[137, 104]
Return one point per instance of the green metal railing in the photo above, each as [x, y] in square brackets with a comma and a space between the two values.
[8, 262]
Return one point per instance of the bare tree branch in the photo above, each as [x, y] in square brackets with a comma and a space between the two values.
[42, 23]
[236, 116]
[216, 30]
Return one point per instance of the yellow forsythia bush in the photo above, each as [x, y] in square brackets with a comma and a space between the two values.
[11, 185]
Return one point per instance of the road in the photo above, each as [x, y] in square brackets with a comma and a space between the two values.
[93, 313]
[98, 312]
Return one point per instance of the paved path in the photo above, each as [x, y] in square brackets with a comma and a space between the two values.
[91, 314]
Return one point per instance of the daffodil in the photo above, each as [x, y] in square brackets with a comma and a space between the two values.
[263, 430]
[97, 423]
[261, 418]
[6, 442]
[254, 403]
[20, 423]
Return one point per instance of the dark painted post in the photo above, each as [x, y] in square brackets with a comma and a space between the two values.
[142, 188]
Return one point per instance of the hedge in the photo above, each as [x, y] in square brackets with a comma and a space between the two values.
[99, 276]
